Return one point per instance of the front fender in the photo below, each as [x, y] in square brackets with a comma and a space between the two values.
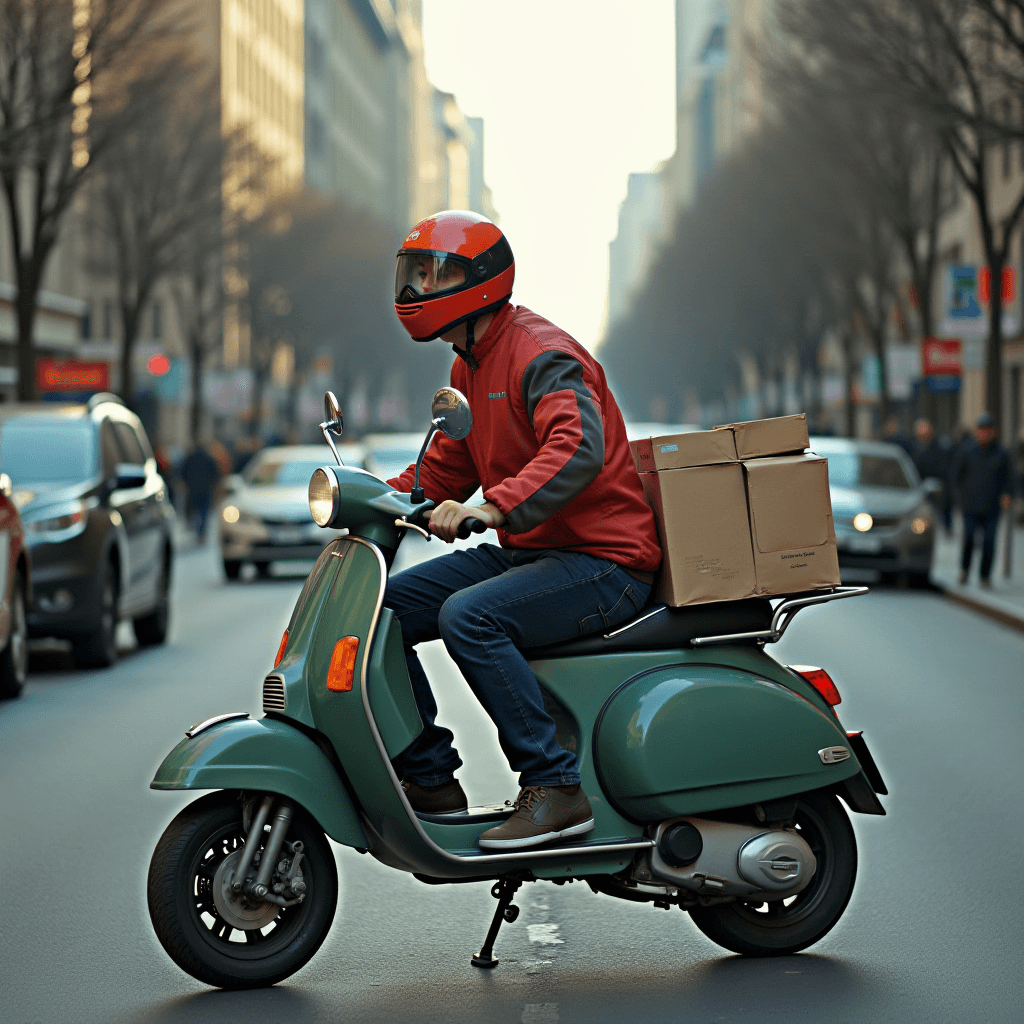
[268, 756]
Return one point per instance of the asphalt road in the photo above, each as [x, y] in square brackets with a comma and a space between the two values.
[934, 932]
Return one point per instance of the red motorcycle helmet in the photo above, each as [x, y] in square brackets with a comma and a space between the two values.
[453, 268]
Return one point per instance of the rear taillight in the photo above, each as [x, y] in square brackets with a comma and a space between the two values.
[343, 664]
[821, 681]
[280, 650]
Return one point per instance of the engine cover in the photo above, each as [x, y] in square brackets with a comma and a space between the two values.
[738, 860]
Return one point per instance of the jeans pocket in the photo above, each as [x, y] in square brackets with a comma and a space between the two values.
[630, 603]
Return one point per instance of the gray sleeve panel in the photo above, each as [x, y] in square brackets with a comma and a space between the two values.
[549, 373]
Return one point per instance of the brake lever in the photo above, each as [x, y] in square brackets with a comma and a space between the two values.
[412, 526]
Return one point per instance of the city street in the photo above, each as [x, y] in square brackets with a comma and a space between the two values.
[933, 933]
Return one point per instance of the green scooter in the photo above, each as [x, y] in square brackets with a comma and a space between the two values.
[715, 774]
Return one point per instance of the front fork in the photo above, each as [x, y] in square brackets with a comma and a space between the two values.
[262, 887]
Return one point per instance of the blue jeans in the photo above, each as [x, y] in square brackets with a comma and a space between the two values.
[487, 603]
[989, 524]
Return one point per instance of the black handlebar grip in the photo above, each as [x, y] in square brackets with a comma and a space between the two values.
[471, 525]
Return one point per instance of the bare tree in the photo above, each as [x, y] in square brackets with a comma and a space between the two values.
[65, 66]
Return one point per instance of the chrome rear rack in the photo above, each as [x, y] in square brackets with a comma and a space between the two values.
[785, 611]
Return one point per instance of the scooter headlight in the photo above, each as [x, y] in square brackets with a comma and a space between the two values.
[323, 496]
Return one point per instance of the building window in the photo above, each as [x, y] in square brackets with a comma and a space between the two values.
[108, 319]
[158, 321]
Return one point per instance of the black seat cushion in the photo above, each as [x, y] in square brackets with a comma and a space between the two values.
[663, 627]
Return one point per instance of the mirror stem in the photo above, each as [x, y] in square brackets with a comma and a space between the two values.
[416, 495]
[325, 429]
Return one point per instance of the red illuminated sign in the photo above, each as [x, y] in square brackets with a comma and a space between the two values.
[1009, 289]
[941, 357]
[71, 375]
[158, 365]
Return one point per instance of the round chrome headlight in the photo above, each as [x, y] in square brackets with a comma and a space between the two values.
[323, 496]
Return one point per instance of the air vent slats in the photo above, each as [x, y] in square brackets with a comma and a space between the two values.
[273, 693]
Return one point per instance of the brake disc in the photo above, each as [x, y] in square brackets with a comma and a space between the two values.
[238, 910]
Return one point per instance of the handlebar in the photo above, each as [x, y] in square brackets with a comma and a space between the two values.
[468, 526]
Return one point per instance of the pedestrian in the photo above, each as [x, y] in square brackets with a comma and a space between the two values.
[932, 458]
[200, 474]
[892, 432]
[983, 479]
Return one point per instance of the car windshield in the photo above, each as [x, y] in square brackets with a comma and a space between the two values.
[283, 472]
[849, 469]
[48, 451]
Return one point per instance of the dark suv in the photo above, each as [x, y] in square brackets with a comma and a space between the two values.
[98, 522]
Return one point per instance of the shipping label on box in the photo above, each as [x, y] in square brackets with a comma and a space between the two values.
[701, 514]
[680, 451]
[778, 436]
[794, 541]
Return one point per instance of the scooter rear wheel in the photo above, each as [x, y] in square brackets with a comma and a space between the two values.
[185, 917]
[779, 927]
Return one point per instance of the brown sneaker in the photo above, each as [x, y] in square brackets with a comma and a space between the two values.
[542, 813]
[448, 798]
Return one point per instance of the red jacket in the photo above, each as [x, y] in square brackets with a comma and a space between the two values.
[548, 446]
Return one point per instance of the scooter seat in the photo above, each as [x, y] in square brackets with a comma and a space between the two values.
[660, 627]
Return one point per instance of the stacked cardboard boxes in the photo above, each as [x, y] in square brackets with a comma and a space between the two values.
[743, 511]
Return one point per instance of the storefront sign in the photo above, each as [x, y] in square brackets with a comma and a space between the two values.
[71, 375]
[941, 356]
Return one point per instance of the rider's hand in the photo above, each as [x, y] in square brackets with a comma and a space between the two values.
[445, 519]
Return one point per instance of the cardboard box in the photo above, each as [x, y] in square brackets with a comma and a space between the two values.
[679, 451]
[779, 436]
[705, 534]
[794, 540]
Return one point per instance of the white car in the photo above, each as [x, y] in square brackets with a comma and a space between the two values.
[265, 516]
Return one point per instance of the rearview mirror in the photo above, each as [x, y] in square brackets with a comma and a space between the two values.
[451, 414]
[129, 476]
[332, 414]
[332, 424]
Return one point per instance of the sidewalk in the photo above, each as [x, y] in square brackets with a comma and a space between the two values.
[1005, 600]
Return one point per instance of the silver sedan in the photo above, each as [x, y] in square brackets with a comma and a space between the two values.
[883, 518]
[265, 516]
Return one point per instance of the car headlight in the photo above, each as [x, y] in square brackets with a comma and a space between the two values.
[921, 522]
[862, 522]
[68, 524]
[323, 496]
[234, 516]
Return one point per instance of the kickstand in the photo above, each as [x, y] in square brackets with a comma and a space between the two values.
[502, 891]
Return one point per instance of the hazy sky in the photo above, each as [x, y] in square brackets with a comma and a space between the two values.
[575, 94]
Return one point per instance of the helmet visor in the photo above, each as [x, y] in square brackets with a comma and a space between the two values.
[421, 275]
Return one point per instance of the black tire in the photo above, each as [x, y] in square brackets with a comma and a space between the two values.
[152, 629]
[14, 657]
[232, 567]
[180, 876]
[97, 648]
[262, 570]
[779, 927]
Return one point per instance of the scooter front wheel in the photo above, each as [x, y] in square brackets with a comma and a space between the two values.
[778, 927]
[276, 942]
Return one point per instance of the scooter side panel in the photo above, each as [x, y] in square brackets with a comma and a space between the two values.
[692, 737]
[391, 698]
[270, 756]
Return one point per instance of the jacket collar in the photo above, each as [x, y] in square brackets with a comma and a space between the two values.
[483, 345]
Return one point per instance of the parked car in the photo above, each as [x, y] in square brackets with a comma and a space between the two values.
[265, 516]
[880, 507]
[16, 579]
[98, 522]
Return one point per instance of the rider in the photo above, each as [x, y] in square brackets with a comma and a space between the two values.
[578, 545]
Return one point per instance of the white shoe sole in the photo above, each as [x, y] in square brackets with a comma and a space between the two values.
[546, 837]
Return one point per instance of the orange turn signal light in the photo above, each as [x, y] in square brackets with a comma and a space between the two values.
[280, 650]
[343, 664]
[821, 681]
